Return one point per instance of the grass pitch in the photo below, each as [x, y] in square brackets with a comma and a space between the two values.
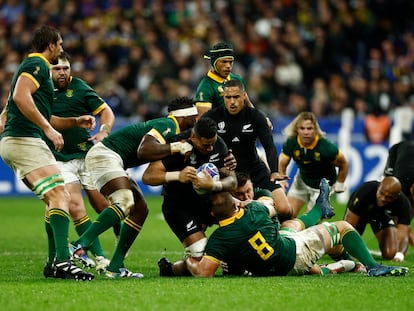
[23, 252]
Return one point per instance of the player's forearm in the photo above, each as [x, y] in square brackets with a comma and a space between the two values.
[343, 167]
[106, 120]
[283, 163]
[403, 234]
[60, 123]
[2, 120]
[154, 178]
[342, 174]
[229, 183]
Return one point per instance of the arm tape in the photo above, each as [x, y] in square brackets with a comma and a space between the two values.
[172, 176]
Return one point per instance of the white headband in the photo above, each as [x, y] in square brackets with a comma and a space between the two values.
[61, 63]
[185, 112]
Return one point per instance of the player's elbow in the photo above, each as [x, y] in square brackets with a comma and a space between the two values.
[148, 179]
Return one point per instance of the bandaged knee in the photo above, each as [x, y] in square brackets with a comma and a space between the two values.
[196, 249]
[46, 184]
[124, 198]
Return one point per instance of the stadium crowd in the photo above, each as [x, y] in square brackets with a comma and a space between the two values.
[320, 55]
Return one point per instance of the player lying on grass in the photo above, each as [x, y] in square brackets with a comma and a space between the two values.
[245, 192]
[249, 239]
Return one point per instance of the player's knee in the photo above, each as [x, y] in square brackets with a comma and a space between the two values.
[196, 249]
[123, 198]
[51, 188]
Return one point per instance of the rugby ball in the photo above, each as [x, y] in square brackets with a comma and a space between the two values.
[212, 170]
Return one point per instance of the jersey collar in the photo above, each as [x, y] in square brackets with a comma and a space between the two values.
[230, 220]
[178, 131]
[212, 75]
[39, 55]
[314, 143]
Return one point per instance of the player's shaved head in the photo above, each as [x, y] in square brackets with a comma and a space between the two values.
[392, 184]
[388, 190]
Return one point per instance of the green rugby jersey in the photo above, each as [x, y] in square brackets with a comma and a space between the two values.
[75, 100]
[250, 241]
[210, 89]
[314, 162]
[36, 68]
[126, 140]
[261, 192]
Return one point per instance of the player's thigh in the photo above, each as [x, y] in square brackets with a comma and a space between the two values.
[181, 221]
[70, 170]
[310, 247]
[28, 157]
[298, 190]
[104, 165]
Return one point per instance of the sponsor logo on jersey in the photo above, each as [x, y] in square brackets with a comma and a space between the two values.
[69, 93]
[235, 140]
[221, 127]
[166, 132]
[214, 157]
[247, 128]
[190, 226]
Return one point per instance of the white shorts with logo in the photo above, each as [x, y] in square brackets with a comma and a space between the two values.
[74, 171]
[25, 154]
[104, 164]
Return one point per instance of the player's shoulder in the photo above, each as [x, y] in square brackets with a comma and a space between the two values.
[256, 207]
[256, 113]
[35, 65]
[80, 84]
[327, 144]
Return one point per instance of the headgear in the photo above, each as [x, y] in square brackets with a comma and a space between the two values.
[218, 51]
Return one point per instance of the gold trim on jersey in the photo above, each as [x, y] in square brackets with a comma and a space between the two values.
[100, 108]
[313, 145]
[39, 55]
[178, 131]
[213, 259]
[28, 75]
[231, 219]
[216, 77]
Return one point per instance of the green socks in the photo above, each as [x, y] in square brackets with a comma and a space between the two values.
[81, 225]
[357, 248]
[59, 222]
[106, 219]
[312, 217]
[128, 234]
[50, 242]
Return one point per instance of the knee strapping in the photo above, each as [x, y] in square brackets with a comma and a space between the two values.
[123, 198]
[44, 185]
[333, 233]
[196, 249]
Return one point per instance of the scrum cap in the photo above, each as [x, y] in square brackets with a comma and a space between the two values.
[219, 51]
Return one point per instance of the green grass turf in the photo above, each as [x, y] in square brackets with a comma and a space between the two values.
[22, 286]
